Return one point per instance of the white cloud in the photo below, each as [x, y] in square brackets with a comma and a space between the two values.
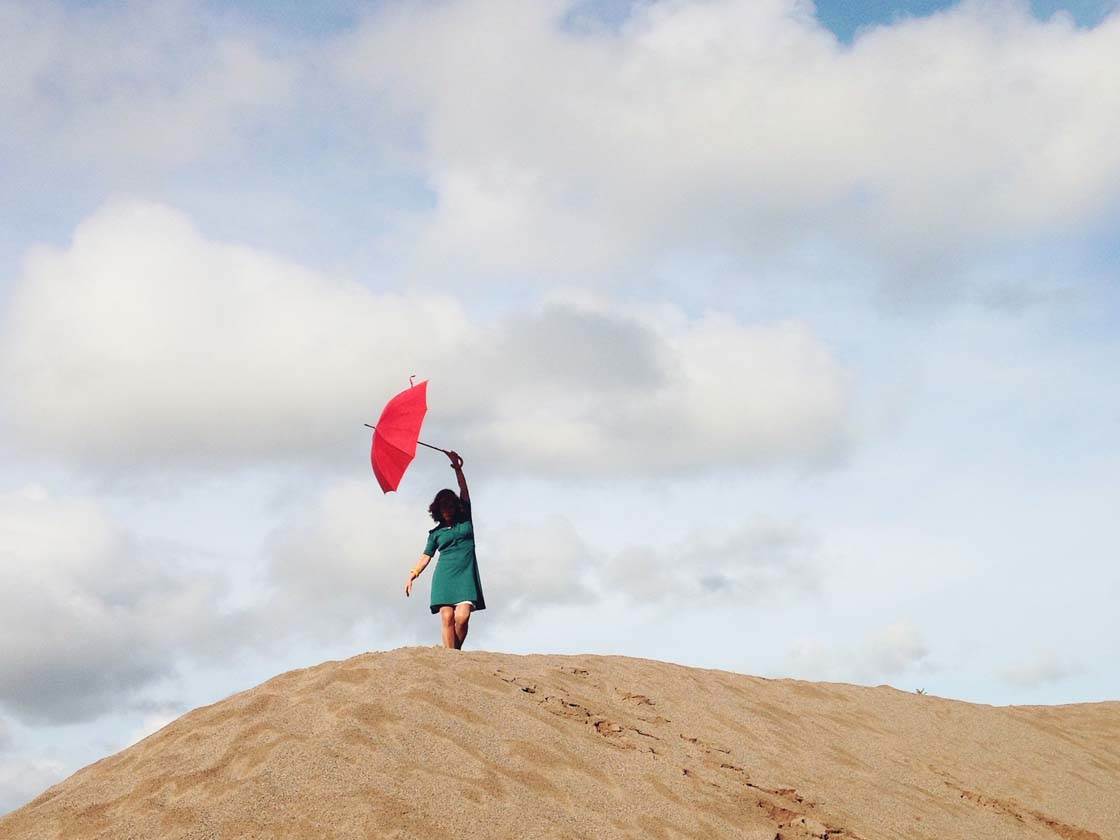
[896, 648]
[145, 343]
[536, 563]
[890, 652]
[121, 86]
[1045, 668]
[87, 617]
[740, 124]
[344, 560]
[753, 563]
[580, 389]
[22, 778]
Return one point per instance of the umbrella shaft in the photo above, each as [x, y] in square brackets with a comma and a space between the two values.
[436, 448]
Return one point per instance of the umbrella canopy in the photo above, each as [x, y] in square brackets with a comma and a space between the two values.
[395, 435]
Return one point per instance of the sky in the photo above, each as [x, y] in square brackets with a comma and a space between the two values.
[776, 338]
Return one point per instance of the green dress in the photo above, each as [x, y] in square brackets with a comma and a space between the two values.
[456, 576]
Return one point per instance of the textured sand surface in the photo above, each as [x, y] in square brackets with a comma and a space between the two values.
[425, 742]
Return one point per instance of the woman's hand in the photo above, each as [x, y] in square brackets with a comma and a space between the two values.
[408, 587]
[456, 461]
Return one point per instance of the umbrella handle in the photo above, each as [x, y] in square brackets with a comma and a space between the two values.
[436, 448]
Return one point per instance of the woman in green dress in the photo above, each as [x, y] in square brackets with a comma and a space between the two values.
[456, 586]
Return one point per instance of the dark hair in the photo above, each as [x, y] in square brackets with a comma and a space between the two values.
[445, 496]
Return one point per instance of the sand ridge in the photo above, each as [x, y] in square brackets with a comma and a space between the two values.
[418, 742]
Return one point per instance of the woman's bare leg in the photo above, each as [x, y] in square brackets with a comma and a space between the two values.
[462, 618]
[447, 619]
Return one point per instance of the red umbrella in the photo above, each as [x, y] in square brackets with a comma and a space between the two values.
[395, 435]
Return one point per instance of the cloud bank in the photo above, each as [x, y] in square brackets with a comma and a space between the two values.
[88, 617]
[145, 344]
[89, 90]
[345, 560]
[740, 124]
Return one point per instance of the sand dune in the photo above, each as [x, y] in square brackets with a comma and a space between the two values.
[425, 742]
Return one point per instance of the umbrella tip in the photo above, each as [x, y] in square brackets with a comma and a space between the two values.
[410, 385]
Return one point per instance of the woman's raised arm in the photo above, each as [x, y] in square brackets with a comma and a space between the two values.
[457, 465]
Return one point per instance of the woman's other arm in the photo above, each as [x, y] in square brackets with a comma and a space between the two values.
[415, 573]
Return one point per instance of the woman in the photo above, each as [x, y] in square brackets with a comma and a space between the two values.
[456, 587]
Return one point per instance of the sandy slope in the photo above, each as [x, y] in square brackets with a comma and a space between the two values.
[425, 742]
